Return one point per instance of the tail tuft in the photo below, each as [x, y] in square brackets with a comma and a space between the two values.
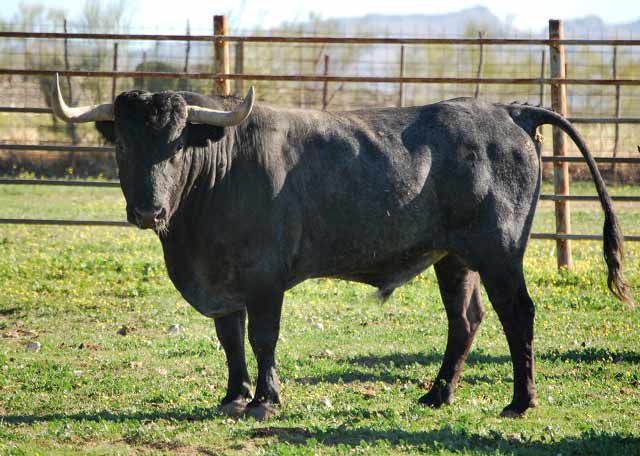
[614, 255]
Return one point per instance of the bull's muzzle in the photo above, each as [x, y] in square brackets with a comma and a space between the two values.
[149, 218]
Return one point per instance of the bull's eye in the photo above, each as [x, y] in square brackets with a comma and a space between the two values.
[179, 146]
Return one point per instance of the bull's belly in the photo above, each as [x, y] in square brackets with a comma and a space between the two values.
[385, 273]
[391, 275]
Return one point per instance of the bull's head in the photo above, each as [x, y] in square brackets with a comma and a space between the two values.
[153, 145]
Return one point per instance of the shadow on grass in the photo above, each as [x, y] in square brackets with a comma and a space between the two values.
[433, 441]
[385, 368]
[592, 355]
[7, 312]
[434, 357]
[448, 439]
[196, 414]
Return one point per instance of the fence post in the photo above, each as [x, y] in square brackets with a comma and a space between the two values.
[187, 50]
[616, 143]
[239, 67]
[115, 68]
[325, 85]
[542, 73]
[560, 169]
[71, 128]
[476, 94]
[221, 56]
[401, 87]
[301, 86]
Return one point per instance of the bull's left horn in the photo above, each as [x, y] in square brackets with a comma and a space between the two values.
[81, 113]
[198, 114]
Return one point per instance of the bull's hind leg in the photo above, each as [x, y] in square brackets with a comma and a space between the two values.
[230, 331]
[508, 293]
[459, 288]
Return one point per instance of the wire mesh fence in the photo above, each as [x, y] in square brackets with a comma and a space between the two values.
[194, 54]
[304, 68]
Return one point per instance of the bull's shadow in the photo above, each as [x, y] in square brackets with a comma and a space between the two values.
[194, 414]
[450, 440]
[592, 355]
[377, 368]
[432, 357]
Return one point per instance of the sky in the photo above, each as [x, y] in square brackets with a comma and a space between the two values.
[252, 14]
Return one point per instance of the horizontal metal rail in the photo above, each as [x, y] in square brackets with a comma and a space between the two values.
[59, 182]
[577, 120]
[558, 159]
[320, 39]
[26, 110]
[14, 221]
[318, 78]
[579, 237]
[552, 197]
[603, 120]
[56, 148]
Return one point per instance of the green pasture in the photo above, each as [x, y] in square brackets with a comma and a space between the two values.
[351, 368]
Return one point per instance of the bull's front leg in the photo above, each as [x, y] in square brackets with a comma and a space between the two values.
[230, 331]
[264, 326]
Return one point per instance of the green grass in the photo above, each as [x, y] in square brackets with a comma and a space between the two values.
[154, 392]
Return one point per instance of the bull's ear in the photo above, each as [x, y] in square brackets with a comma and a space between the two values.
[198, 134]
[107, 130]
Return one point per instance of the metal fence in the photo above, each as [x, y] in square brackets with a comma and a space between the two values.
[327, 72]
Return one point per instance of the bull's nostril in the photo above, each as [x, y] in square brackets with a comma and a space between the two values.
[148, 218]
[160, 215]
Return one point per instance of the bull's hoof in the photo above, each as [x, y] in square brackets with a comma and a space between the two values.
[436, 397]
[518, 409]
[234, 409]
[262, 411]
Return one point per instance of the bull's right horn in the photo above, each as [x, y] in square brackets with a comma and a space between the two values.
[81, 113]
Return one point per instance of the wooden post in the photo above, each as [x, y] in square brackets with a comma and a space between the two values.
[325, 86]
[187, 50]
[616, 141]
[239, 67]
[66, 64]
[480, 65]
[301, 85]
[401, 87]
[221, 56]
[560, 170]
[115, 68]
[543, 60]
[71, 127]
[183, 83]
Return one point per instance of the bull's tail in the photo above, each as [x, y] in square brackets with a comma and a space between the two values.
[531, 117]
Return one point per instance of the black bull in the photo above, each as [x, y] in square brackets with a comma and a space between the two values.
[375, 196]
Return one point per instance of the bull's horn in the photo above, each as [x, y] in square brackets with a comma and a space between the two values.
[81, 113]
[216, 118]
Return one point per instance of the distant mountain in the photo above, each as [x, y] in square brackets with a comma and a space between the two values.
[592, 27]
[466, 22]
[457, 23]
